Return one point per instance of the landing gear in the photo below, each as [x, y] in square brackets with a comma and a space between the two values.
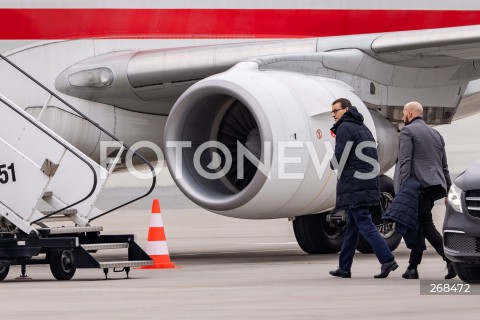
[315, 234]
[386, 229]
[62, 264]
[324, 232]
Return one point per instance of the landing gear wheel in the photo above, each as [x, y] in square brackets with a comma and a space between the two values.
[4, 272]
[62, 264]
[387, 230]
[467, 273]
[315, 234]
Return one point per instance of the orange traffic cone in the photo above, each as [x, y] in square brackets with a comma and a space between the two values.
[156, 242]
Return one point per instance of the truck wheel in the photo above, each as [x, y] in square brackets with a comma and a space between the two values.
[62, 264]
[4, 272]
[467, 273]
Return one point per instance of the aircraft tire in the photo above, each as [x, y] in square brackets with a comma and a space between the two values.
[316, 236]
[4, 272]
[62, 264]
[392, 239]
[467, 273]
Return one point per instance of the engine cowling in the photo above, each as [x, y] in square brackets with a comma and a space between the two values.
[283, 120]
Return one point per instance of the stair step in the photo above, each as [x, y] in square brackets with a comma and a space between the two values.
[67, 212]
[101, 246]
[123, 264]
[57, 218]
[65, 230]
[47, 194]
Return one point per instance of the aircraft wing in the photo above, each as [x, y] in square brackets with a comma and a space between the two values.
[386, 70]
[429, 47]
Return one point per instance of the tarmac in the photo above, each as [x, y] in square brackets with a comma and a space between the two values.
[236, 269]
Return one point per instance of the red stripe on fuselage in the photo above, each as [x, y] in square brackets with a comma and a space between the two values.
[211, 23]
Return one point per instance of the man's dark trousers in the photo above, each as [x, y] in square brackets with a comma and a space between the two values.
[359, 221]
[425, 205]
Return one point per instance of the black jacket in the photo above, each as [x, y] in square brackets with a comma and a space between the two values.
[404, 211]
[354, 191]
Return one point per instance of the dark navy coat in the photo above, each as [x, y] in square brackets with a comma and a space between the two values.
[352, 191]
[404, 211]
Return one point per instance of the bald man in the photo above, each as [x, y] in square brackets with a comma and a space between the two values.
[422, 155]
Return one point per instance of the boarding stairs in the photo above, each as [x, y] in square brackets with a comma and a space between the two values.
[48, 198]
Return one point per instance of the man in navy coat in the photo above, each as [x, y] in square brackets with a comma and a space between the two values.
[357, 187]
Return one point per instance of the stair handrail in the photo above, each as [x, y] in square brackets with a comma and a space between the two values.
[127, 148]
[95, 179]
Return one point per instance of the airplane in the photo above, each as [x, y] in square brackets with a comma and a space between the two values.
[256, 76]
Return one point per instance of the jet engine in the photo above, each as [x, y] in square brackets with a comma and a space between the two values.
[256, 144]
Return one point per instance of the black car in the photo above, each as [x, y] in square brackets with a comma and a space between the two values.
[461, 227]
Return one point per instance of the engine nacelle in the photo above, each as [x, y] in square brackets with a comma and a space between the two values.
[280, 118]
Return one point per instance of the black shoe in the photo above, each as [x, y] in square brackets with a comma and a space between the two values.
[340, 273]
[387, 267]
[410, 274]
[450, 271]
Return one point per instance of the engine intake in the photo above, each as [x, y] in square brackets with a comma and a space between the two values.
[281, 121]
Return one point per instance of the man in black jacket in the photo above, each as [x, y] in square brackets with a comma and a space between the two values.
[357, 187]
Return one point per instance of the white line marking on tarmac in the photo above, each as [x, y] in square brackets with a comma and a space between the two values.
[230, 252]
[272, 243]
